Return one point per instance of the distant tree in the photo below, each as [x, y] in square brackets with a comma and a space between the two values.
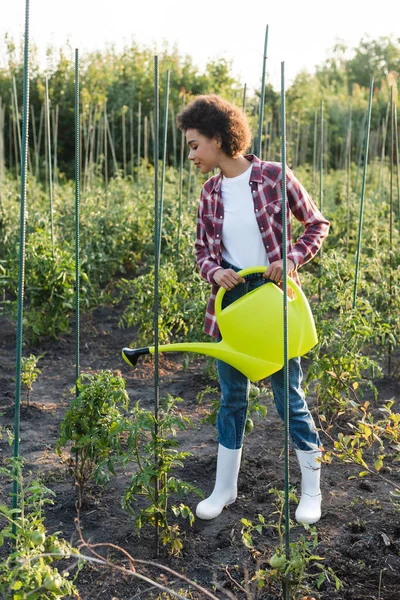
[374, 58]
[333, 72]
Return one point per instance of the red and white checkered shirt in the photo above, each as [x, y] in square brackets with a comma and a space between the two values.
[266, 187]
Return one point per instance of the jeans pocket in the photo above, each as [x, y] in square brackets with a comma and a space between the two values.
[234, 294]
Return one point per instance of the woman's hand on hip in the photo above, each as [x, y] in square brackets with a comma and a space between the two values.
[227, 278]
[275, 270]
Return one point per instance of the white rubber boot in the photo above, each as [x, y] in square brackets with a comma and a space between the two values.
[309, 507]
[225, 489]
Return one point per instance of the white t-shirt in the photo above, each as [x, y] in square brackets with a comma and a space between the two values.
[241, 238]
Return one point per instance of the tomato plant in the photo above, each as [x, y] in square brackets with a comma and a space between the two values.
[94, 425]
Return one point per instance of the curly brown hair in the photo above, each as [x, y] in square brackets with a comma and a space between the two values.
[214, 117]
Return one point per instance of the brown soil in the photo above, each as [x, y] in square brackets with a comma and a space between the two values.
[359, 533]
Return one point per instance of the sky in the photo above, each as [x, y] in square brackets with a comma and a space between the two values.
[301, 33]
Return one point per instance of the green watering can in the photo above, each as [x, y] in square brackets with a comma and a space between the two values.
[252, 330]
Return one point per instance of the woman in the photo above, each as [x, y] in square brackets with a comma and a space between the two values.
[239, 224]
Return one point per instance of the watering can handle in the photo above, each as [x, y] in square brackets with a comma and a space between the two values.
[248, 271]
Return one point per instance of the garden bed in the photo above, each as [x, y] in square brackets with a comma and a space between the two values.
[359, 533]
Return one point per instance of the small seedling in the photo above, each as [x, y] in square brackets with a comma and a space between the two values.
[29, 375]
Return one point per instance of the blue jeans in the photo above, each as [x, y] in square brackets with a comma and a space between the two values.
[232, 414]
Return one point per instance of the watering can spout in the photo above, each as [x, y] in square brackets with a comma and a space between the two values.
[252, 331]
[255, 368]
[131, 355]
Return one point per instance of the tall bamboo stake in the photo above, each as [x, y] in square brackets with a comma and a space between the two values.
[92, 144]
[35, 144]
[145, 141]
[327, 134]
[348, 178]
[77, 207]
[182, 149]
[55, 144]
[46, 164]
[112, 128]
[174, 140]
[40, 135]
[131, 140]
[100, 138]
[288, 140]
[368, 125]
[84, 134]
[48, 158]
[139, 142]
[265, 141]
[269, 134]
[164, 154]
[15, 137]
[296, 144]
[112, 148]
[391, 164]
[397, 160]
[314, 170]
[384, 134]
[321, 189]
[361, 143]
[10, 140]
[86, 145]
[189, 185]
[244, 98]
[375, 140]
[262, 96]
[16, 109]
[105, 146]
[2, 166]
[152, 134]
[124, 109]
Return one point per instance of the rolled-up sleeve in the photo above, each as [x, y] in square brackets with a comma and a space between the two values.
[205, 256]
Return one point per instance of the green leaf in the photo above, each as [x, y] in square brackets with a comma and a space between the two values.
[247, 540]
[17, 585]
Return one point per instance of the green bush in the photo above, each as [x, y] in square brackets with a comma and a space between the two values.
[94, 425]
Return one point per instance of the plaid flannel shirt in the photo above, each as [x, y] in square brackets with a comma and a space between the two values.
[266, 187]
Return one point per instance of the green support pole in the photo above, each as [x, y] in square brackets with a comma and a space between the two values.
[21, 269]
[368, 125]
[262, 97]
[77, 265]
[285, 581]
[156, 277]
